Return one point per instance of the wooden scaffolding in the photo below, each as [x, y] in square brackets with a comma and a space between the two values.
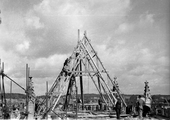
[84, 61]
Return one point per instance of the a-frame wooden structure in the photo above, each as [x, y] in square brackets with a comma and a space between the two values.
[84, 61]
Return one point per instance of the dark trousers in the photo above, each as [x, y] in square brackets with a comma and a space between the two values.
[146, 110]
[118, 110]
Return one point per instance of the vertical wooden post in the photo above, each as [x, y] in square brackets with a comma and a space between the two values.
[47, 97]
[27, 77]
[0, 82]
[81, 85]
[76, 101]
[81, 77]
[3, 98]
[3, 87]
[10, 95]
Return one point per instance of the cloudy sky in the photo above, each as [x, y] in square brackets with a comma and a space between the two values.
[130, 36]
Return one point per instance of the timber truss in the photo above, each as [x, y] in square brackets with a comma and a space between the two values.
[84, 61]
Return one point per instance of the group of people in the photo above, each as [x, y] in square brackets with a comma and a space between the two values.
[141, 108]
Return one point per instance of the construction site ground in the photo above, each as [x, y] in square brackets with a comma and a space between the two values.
[104, 116]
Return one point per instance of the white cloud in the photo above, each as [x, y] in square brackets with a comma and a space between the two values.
[34, 21]
[124, 28]
[116, 7]
[44, 7]
[146, 57]
[121, 42]
[142, 70]
[163, 61]
[52, 61]
[146, 18]
[23, 47]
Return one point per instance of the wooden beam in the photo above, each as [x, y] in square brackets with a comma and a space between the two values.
[27, 77]
[47, 98]
[81, 85]
[0, 82]
[10, 95]
[3, 87]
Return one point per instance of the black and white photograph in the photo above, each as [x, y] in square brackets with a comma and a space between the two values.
[85, 59]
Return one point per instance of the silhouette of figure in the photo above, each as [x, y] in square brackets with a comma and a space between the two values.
[118, 108]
